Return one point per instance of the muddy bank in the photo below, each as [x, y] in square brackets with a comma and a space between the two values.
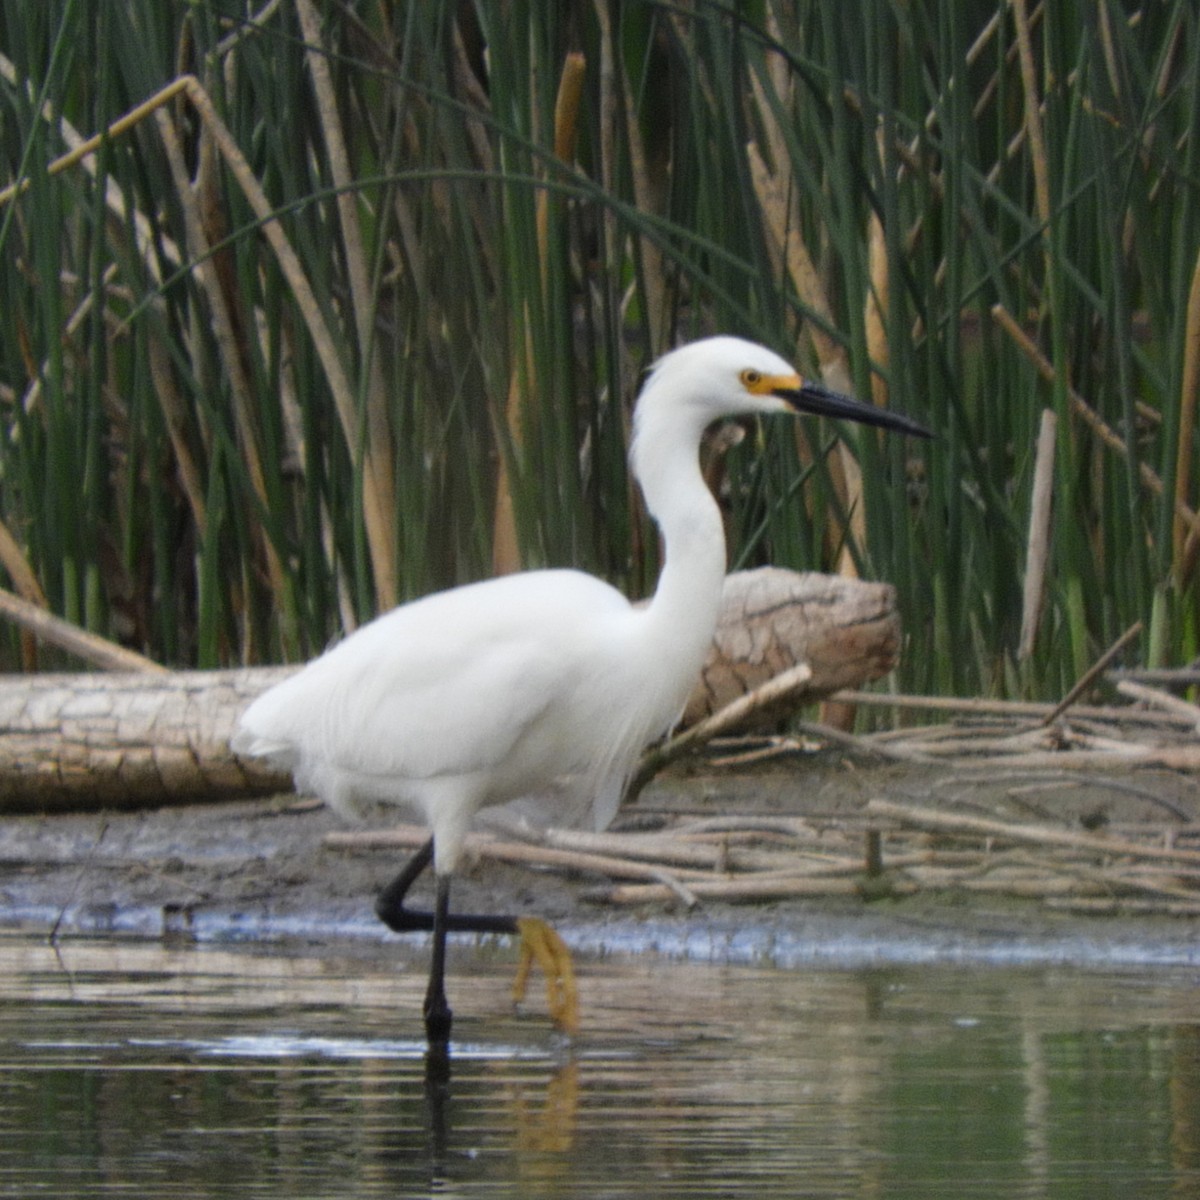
[261, 870]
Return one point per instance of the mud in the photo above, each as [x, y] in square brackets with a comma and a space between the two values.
[260, 870]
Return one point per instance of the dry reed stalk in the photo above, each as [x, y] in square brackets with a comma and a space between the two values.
[1038, 547]
[775, 692]
[734, 891]
[777, 203]
[1184, 536]
[13, 559]
[1168, 758]
[754, 751]
[790, 254]
[977, 742]
[1149, 478]
[1093, 673]
[931, 733]
[228, 330]
[1030, 883]
[934, 821]
[1033, 118]
[800, 828]
[378, 428]
[506, 546]
[1047, 864]
[876, 309]
[1157, 698]
[1162, 881]
[978, 706]
[506, 549]
[378, 516]
[153, 244]
[610, 126]
[1166, 676]
[664, 850]
[1077, 754]
[679, 850]
[865, 745]
[89, 146]
[1111, 906]
[523, 853]
[90, 647]
[379, 522]
[174, 412]
[649, 177]
[968, 744]
[71, 327]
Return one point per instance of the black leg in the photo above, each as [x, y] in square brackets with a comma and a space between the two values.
[390, 909]
[392, 912]
[437, 1011]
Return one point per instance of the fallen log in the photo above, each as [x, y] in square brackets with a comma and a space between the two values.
[127, 739]
[124, 739]
[772, 620]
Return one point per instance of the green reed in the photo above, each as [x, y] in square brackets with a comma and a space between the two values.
[361, 312]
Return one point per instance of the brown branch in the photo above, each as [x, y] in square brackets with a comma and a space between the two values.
[979, 706]
[1089, 676]
[1161, 700]
[767, 696]
[90, 647]
[934, 821]
[1109, 436]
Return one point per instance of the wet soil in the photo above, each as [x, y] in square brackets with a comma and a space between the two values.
[260, 869]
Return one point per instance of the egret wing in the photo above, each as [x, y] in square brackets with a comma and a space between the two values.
[441, 717]
[446, 685]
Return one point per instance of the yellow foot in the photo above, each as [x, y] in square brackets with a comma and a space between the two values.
[540, 942]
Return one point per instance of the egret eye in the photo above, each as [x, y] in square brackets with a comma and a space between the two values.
[751, 379]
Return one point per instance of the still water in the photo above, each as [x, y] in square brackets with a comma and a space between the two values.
[134, 1069]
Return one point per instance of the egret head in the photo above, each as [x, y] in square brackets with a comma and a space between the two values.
[729, 376]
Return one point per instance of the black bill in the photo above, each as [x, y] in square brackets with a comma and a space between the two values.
[821, 402]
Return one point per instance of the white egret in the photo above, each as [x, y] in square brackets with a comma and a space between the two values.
[496, 690]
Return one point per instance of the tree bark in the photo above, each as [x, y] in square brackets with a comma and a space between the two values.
[131, 739]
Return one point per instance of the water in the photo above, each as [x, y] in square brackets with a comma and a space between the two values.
[134, 1069]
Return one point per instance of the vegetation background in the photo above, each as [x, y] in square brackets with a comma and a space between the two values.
[347, 300]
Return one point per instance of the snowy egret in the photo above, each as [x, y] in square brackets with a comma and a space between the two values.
[547, 679]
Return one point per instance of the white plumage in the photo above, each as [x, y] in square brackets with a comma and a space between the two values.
[463, 699]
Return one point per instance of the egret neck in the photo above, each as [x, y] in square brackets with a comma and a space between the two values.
[677, 625]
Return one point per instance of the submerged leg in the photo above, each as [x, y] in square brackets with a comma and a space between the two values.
[538, 942]
[389, 907]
